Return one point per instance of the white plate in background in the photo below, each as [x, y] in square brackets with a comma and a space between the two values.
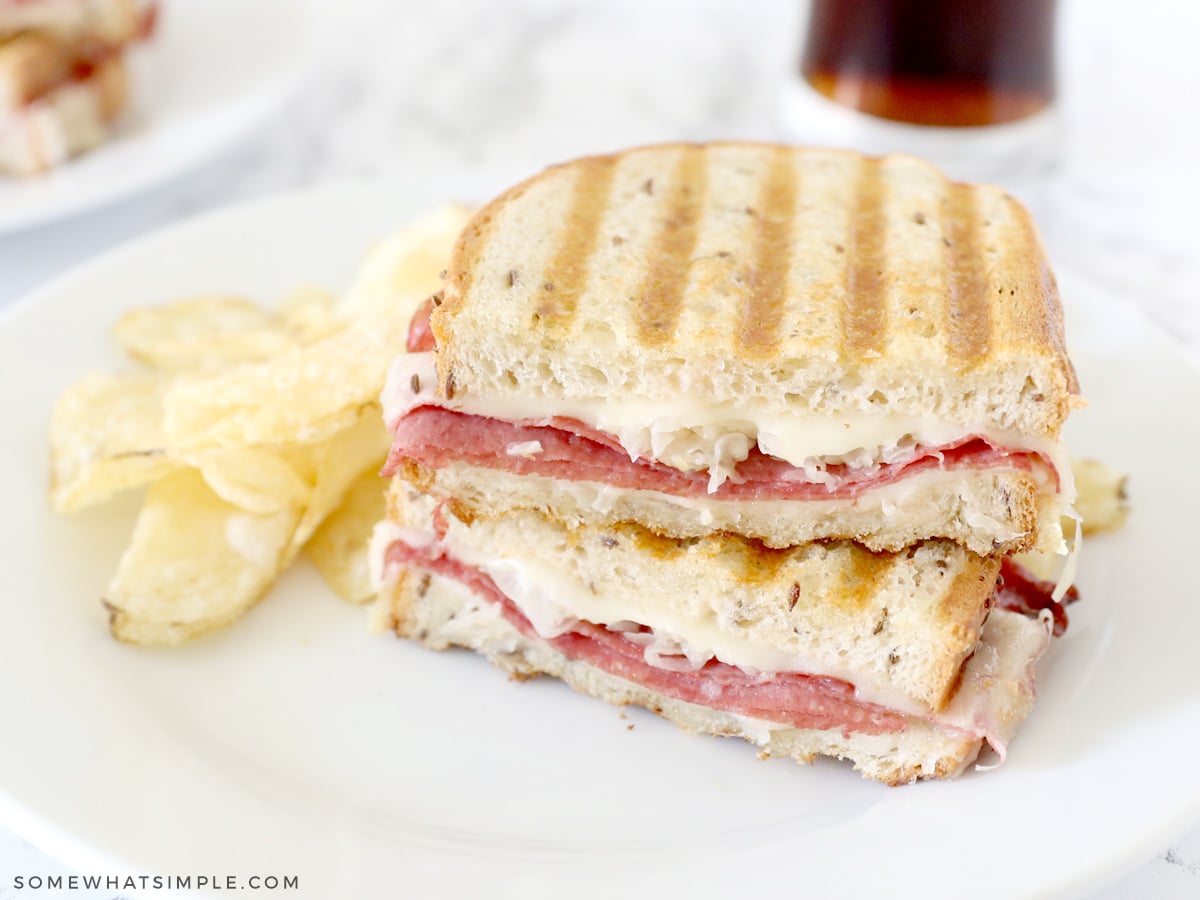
[213, 70]
[298, 743]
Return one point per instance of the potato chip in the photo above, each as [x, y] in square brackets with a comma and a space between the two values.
[302, 396]
[1103, 499]
[308, 314]
[254, 479]
[194, 564]
[335, 465]
[405, 267]
[201, 333]
[339, 547]
[106, 436]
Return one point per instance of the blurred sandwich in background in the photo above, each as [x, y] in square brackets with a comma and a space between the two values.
[63, 76]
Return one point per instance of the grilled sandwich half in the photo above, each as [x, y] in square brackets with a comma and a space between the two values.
[791, 344]
[898, 662]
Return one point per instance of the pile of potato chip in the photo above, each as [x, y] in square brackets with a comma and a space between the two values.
[257, 434]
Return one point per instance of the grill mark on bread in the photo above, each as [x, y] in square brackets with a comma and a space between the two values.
[863, 314]
[1045, 319]
[759, 564]
[762, 310]
[566, 276]
[968, 313]
[864, 572]
[1036, 276]
[657, 315]
[658, 546]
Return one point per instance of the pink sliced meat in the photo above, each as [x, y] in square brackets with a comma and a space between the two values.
[789, 698]
[1019, 591]
[420, 329]
[435, 437]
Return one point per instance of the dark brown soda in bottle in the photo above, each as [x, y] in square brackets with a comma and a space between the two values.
[950, 63]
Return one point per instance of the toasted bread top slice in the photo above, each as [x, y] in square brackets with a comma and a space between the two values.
[786, 278]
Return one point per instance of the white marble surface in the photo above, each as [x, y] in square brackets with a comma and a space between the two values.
[405, 86]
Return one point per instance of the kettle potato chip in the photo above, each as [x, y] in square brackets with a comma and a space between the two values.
[195, 563]
[338, 548]
[106, 436]
[199, 333]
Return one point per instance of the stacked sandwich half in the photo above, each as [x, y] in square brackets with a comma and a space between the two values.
[63, 76]
[742, 434]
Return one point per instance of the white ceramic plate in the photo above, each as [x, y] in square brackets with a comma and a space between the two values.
[298, 743]
[213, 70]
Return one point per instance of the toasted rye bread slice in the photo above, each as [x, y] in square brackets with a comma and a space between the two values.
[991, 511]
[68, 120]
[899, 626]
[784, 278]
[440, 613]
